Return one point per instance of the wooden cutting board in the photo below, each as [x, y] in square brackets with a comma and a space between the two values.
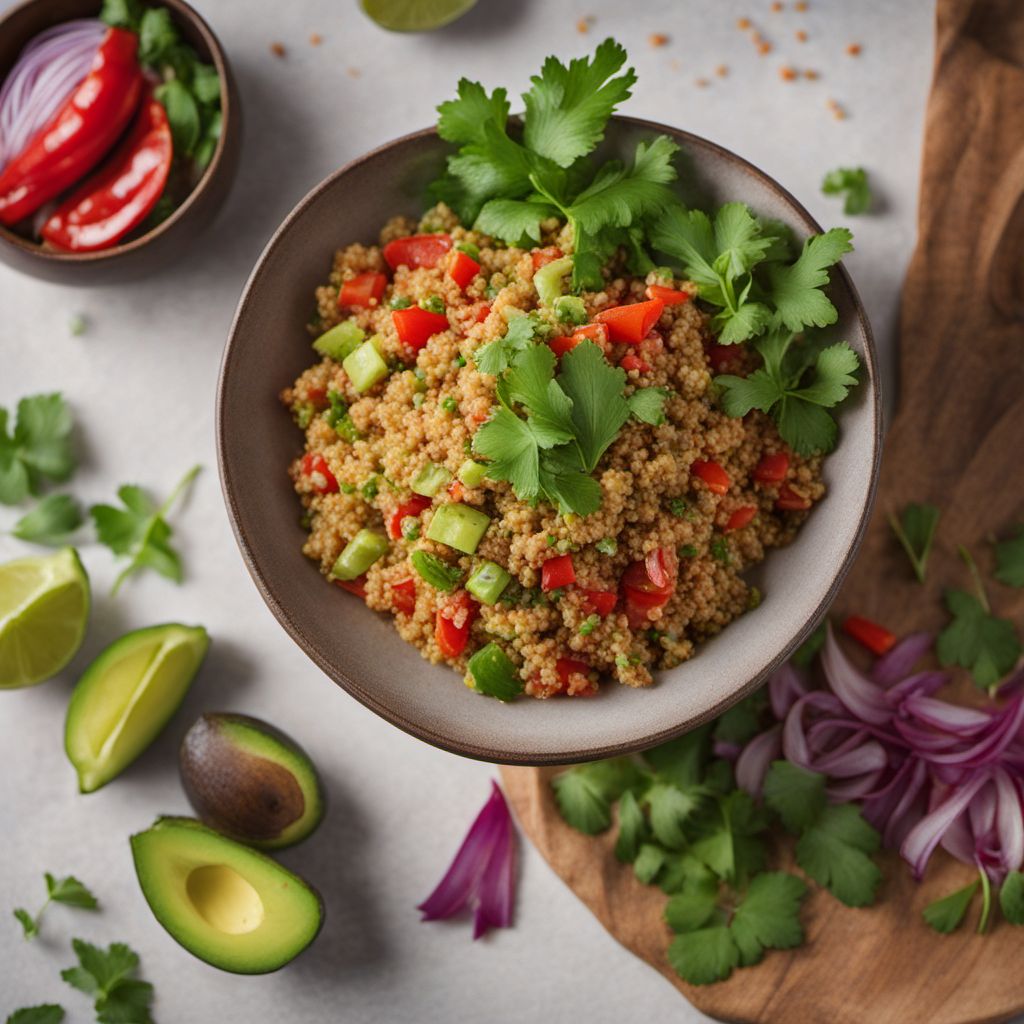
[957, 441]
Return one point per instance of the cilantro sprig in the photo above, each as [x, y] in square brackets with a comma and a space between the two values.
[36, 447]
[68, 890]
[852, 184]
[107, 975]
[51, 522]
[915, 530]
[1010, 560]
[45, 1013]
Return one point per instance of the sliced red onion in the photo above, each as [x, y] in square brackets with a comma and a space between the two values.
[726, 749]
[922, 839]
[896, 663]
[859, 695]
[785, 687]
[753, 763]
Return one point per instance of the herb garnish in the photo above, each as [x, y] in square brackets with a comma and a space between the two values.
[69, 891]
[46, 1013]
[51, 521]
[106, 975]
[37, 448]
[915, 530]
[1010, 560]
[852, 183]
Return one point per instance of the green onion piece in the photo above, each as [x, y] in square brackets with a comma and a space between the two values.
[459, 526]
[340, 341]
[449, 404]
[494, 673]
[548, 280]
[430, 479]
[365, 366]
[432, 304]
[338, 417]
[665, 274]
[304, 412]
[570, 309]
[469, 249]
[436, 571]
[400, 302]
[487, 582]
[360, 553]
[410, 526]
[588, 625]
[472, 473]
[688, 551]
[370, 489]
[607, 545]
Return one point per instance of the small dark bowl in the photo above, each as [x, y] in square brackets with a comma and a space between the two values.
[268, 348]
[171, 238]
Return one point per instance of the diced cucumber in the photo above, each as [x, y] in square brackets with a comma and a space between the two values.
[360, 553]
[430, 479]
[570, 309]
[548, 280]
[377, 341]
[340, 341]
[469, 249]
[472, 473]
[436, 571]
[365, 366]
[494, 673]
[487, 582]
[459, 526]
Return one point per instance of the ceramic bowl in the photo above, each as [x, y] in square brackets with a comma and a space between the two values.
[268, 347]
[173, 237]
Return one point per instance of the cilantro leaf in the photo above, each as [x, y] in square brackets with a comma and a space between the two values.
[916, 531]
[796, 288]
[705, 955]
[51, 521]
[729, 840]
[70, 891]
[584, 794]
[648, 405]
[681, 871]
[515, 221]
[834, 368]
[670, 808]
[140, 532]
[682, 760]
[598, 408]
[106, 975]
[38, 447]
[769, 916]
[632, 828]
[649, 861]
[566, 485]
[46, 1013]
[568, 107]
[463, 121]
[757, 390]
[742, 722]
[977, 640]
[530, 381]
[512, 449]
[692, 908]
[1010, 560]
[1011, 897]
[496, 356]
[945, 915]
[851, 182]
[835, 852]
[29, 924]
[795, 794]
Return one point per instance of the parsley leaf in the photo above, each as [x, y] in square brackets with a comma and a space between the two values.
[632, 828]
[835, 851]
[648, 405]
[705, 955]
[945, 915]
[51, 521]
[692, 908]
[795, 794]
[140, 531]
[496, 356]
[650, 859]
[515, 221]
[513, 451]
[584, 794]
[530, 381]
[106, 975]
[47, 1013]
[670, 808]
[769, 916]
[38, 447]
[851, 182]
[1011, 897]
[977, 640]
[598, 408]
[796, 288]
[1010, 560]
[69, 891]
[915, 530]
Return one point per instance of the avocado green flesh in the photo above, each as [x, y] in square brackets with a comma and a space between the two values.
[225, 903]
[126, 696]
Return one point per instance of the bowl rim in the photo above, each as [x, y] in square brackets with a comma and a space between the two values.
[296, 630]
[180, 9]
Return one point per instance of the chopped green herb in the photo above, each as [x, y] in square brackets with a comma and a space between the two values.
[719, 548]
[46, 1013]
[607, 546]
[688, 551]
[588, 625]
[371, 488]
[37, 449]
[551, 539]
[346, 488]
[1010, 560]
[915, 530]
[678, 507]
[435, 571]
[107, 976]
[410, 528]
[852, 183]
[472, 251]
[51, 522]
[460, 360]
[400, 302]
[449, 404]
[945, 915]
[69, 891]
[432, 304]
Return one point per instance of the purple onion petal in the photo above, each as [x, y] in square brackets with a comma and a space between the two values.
[858, 694]
[896, 663]
[922, 839]
[497, 886]
[785, 687]
[753, 763]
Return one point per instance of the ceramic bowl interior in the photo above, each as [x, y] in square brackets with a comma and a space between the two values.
[146, 253]
[359, 649]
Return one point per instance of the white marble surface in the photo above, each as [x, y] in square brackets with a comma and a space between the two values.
[141, 382]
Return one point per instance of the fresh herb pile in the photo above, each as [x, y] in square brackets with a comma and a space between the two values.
[509, 179]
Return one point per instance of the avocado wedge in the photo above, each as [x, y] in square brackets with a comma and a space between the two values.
[226, 903]
[250, 781]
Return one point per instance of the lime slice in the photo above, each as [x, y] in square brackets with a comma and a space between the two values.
[126, 697]
[44, 609]
[415, 15]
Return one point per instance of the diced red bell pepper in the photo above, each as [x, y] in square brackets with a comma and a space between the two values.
[662, 567]
[597, 333]
[416, 326]
[569, 667]
[454, 618]
[463, 269]
[356, 586]
[557, 572]
[723, 357]
[483, 311]
[871, 635]
[649, 584]
[563, 344]
[413, 507]
[715, 478]
[363, 290]
[789, 501]
[314, 465]
[670, 296]
[631, 361]
[317, 395]
[743, 516]
[457, 490]
[403, 596]
[417, 250]
[631, 324]
[772, 469]
[600, 601]
[542, 257]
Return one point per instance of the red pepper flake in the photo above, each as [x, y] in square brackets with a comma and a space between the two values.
[800, 5]
[583, 25]
[277, 49]
[657, 39]
[854, 49]
[722, 70]
[788, 74]
[763, 47]
[743, 24]
[315, 39]
[838, 112]
[776, 7]
[801, 35]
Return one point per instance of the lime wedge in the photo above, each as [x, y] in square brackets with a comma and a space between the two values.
[126, 697]
[415, 15]
[44, 609]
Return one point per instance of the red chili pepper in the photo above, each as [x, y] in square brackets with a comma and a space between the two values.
[80, 134]
[417, 250]
[715, 478]
[670, 296]
[631, 324]
[454, 618]
[569, 667]
[363, 290]
[483, 311]
[463, 269]
[356, 586]
[403, 596]
[542, 257]
[557, 572]
[596, 333]
[600, 601]
[119, 196]
[721, 357]
[789, 501]
[314, 465]
[772, 469]
[631, 361]
[871, 635]
[743, 516]
[413, 507]
[563, 344]
[416, 326]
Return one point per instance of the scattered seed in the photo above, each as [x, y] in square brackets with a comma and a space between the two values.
[743, 24]
[800, 5]
[838, 112]
[657, 39]
[801, 35]
[277, 49]
[810, 74]
[854, 49]
[701, 83]
[583, 25]
[722, 70]
[764, 47]
[353, 72]
[315, 39]
[776, 7]
[788, 74]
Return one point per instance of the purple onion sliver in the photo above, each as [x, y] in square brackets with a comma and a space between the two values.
[896, 663]
[785, 687]
[497, 886]
[922, 839]
[862, 697]
[755, 759]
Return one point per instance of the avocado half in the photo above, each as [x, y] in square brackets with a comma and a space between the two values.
[250, 781]
[226, 903]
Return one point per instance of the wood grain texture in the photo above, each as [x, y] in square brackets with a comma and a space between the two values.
[957, 440]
